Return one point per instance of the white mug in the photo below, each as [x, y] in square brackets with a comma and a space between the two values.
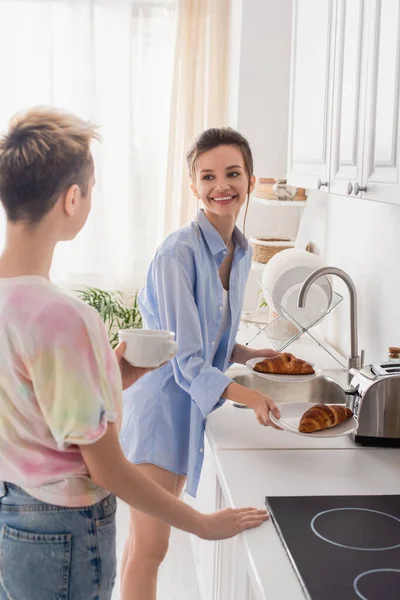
[148, 347]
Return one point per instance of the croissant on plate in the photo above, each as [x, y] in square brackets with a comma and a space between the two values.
[323, 416]
[284, 364]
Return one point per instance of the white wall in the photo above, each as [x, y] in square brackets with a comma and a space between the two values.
[363, 239]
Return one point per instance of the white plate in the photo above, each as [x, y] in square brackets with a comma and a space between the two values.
[317, 304]
[288, 260]
[299, 275]
[296, 276]
[292, 412]
[279, 377]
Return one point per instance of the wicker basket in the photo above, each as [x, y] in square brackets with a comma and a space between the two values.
[266, 248]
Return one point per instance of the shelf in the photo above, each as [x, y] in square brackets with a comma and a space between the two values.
[257, 266]
[297, 203]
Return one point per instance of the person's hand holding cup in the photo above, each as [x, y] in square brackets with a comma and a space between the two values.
[143, 350]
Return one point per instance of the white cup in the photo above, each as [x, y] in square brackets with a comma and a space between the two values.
[148, 347]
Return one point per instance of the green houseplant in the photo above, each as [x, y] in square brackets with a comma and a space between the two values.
[115, 308]
[262, 303]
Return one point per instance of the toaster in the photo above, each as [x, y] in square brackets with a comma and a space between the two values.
[374, 398]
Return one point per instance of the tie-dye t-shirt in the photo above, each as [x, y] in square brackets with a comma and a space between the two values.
[59, 386]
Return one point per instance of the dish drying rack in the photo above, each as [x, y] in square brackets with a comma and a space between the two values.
[282, 332]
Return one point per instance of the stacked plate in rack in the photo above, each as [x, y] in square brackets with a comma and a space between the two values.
[282, 279]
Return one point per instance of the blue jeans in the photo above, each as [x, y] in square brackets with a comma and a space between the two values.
[50, 552]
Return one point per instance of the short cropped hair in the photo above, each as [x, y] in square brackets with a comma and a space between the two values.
[43, 153]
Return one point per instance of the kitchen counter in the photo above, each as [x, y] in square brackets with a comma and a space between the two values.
[231, 428]
[244, 462]
[246, 477]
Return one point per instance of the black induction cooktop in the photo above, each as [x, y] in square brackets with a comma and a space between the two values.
[342, 547]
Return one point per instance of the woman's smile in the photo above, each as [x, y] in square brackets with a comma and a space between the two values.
[223, 199]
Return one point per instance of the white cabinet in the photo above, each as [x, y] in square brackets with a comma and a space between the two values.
[221, 567]
[225, 562]
[381, 166]
[348, 97]
[242, 583]
[345, 97]
[205, 553]
[311, 93]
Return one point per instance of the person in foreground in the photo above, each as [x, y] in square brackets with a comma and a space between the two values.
[195, 288]
[61, 387]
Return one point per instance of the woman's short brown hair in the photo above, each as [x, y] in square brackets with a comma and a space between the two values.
[43, 153]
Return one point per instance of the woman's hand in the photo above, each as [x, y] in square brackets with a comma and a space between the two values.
[241, 354]
[264, 353]
[129, 374]
[262, 405]
[229, 522]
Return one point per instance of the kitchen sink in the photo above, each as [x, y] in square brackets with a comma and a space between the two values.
[322, 389]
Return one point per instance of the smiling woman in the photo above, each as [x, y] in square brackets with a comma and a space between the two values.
[223, 186]
[195, 288]
[222, 175]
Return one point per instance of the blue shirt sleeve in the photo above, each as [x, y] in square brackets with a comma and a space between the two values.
[178, 312]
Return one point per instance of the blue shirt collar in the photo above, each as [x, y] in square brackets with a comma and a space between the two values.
[212, 237]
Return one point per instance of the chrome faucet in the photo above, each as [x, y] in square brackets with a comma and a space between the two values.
[355, 360]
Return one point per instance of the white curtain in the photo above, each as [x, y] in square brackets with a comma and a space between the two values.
[199, 94]
[110, 61]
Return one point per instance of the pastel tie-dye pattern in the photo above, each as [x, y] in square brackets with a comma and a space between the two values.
[59, 386]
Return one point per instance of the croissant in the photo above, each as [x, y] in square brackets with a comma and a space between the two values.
[284, 364]
[323, 416]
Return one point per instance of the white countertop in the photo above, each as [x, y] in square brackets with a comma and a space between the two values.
[246, 477]
[253, 462]
[231, 428]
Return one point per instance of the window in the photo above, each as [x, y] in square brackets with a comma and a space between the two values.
[110, 61]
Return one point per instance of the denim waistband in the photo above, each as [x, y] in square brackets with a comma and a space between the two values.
[103, 508]
[6, 487]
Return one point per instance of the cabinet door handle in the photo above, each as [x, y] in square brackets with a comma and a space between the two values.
[349, 188]
[321, 184]
[358, 188]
